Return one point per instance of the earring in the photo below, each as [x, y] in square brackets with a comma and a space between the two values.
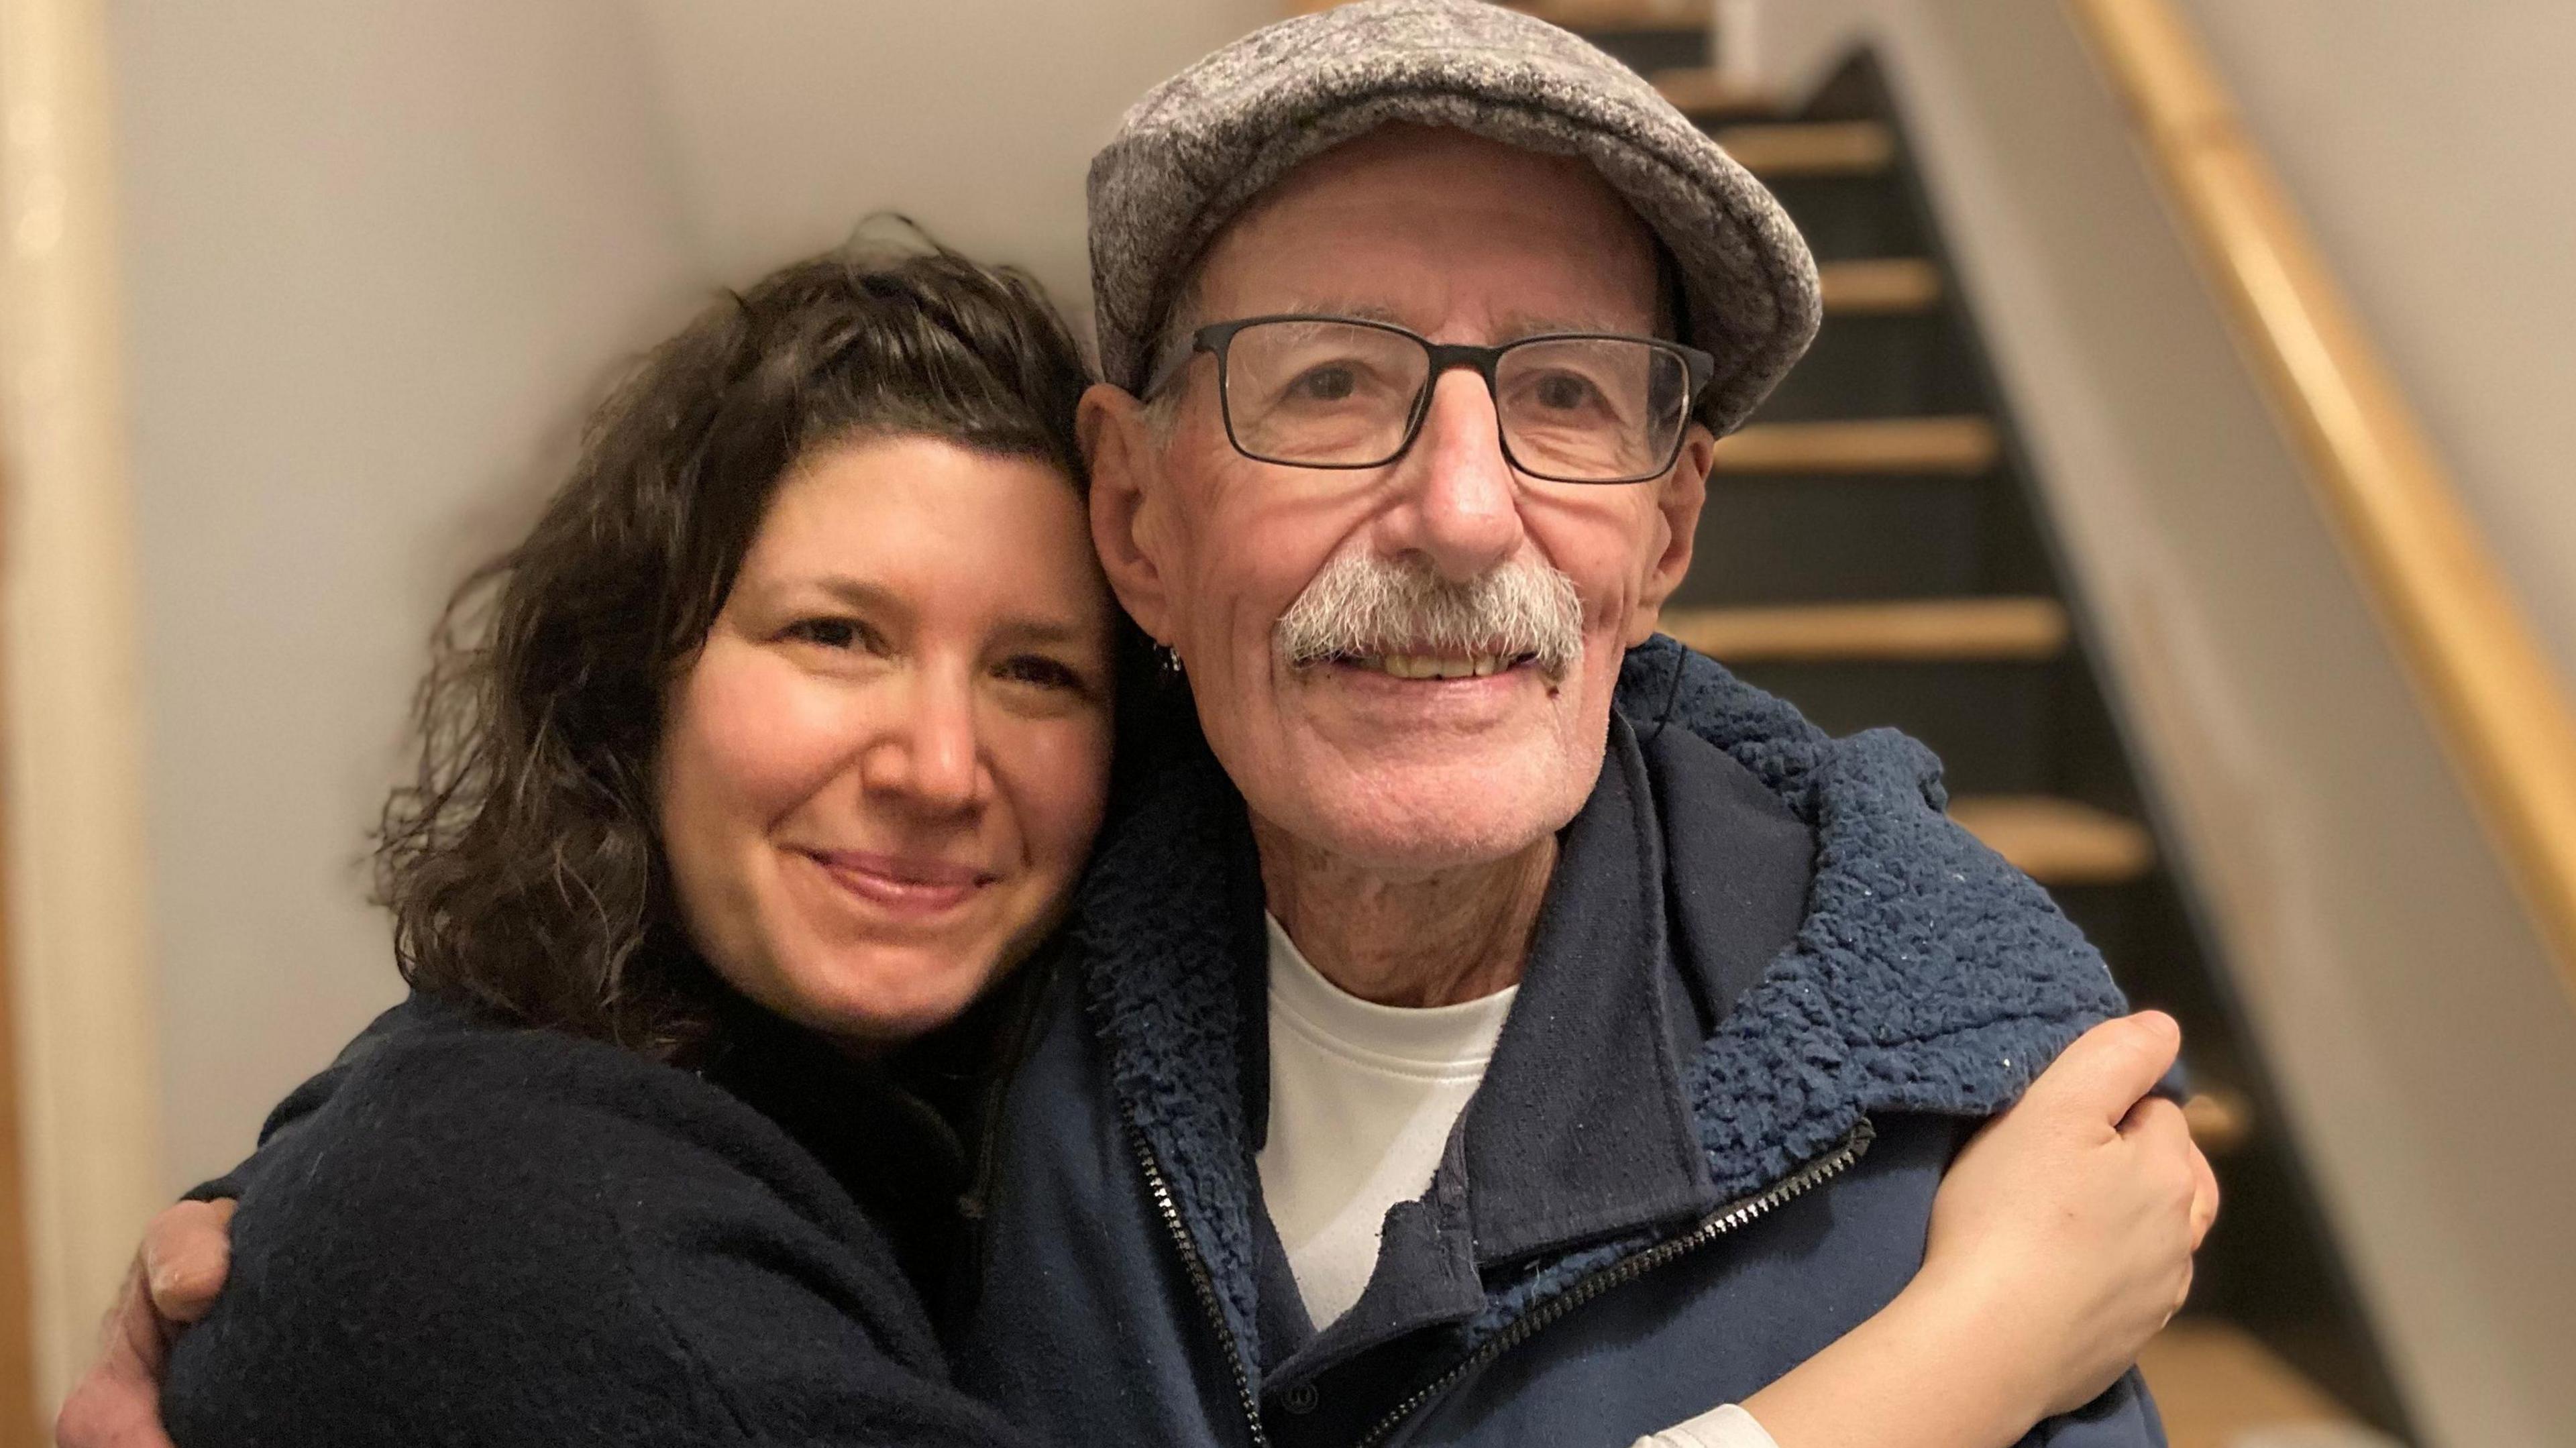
[1171, 660]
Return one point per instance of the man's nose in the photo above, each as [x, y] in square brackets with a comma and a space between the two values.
[927, 757]
[1462, 511]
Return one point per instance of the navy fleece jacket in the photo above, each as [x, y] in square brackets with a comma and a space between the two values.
[1676, 1182]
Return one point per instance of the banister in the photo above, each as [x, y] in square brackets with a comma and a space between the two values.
[2498, 704]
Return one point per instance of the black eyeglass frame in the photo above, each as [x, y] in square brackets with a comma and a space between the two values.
[1217, 338]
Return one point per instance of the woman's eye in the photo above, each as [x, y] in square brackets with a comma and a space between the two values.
[832, 633]
[1042, 671]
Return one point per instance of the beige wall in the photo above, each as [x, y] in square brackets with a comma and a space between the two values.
[2426, 1049]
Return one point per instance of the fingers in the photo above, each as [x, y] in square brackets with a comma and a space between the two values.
[2158, 1122]
[2204, 1197]
[116, 1404]
[131, 1339]
[2110, 1066]
[187, 1251]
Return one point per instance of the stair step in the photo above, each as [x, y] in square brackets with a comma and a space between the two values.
[2216, 1385]
[2058, 841]
[1705, 92]
[1810, 148]
[1890, 286]
[2220, 1117]
[1608, 16]
[1914, 631]
[1958, 446]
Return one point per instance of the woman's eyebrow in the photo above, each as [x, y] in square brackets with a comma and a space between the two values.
[1048, 631]
[857, 592]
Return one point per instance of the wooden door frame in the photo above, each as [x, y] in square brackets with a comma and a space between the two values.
[82, 1013]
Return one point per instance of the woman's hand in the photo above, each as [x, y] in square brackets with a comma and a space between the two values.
[186, 1254]
[2060, 1241]
[2062, 1236]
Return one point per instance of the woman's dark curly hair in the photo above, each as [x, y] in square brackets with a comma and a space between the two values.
[522, 862]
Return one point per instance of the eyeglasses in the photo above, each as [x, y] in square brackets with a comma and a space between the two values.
[1336, 392]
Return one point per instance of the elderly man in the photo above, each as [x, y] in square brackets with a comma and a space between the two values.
[1588, 977]
[1479, 956]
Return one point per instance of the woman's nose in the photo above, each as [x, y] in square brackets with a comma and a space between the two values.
[928, 756]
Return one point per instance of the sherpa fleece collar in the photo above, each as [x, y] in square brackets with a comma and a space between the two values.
[1928, 975]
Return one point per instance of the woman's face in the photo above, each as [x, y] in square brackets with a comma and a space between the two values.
[881, 774]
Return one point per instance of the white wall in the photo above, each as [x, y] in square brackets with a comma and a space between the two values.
[2424, 1044]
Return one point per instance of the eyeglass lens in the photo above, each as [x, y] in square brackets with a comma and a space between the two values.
[1339, 394]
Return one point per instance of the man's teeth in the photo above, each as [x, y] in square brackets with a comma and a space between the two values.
[1428, 666]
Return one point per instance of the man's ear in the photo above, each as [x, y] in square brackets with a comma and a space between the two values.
[1125, 462]
[1680, 497]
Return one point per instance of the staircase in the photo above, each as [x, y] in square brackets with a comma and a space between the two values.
[1874, 550]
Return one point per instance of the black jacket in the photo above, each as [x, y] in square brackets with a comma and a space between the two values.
[492, 1236]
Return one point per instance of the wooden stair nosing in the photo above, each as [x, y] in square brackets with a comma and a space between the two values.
[1705, 92]
[2006, 630]
[1882, 286]
[1949, 446]
[2058, 841]
[1615, 16]
[1776, 149]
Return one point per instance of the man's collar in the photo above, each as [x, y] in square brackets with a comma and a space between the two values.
[1581, 1129]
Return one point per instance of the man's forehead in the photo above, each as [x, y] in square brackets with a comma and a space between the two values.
[1366, 228]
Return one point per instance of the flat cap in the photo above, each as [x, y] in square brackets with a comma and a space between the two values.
[1190, 155]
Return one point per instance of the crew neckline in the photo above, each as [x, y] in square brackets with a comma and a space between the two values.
[1413, 1039]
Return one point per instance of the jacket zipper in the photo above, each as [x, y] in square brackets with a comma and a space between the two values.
[1730, 1218]
[1200, 1282]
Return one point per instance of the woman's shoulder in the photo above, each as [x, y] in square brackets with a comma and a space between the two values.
[526, 1229]
[456, 1125]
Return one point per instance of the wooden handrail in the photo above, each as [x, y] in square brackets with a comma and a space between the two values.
[2502, 711]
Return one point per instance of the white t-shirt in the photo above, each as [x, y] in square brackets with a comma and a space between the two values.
[1362, 1100]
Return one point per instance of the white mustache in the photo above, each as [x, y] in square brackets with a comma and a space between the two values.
[1362, 605]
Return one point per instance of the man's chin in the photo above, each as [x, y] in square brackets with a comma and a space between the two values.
[1423, 818]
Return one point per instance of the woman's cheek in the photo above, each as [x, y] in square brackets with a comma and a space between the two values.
[775, 732]
[1060, 772]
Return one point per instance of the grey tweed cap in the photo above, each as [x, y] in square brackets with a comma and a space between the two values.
[1198, 147]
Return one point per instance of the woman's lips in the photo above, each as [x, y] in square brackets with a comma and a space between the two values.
[902, 884]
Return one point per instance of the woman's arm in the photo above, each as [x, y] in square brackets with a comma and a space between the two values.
[512, 1238]
[2061, 1241]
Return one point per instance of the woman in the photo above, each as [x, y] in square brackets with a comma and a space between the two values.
[780, 740]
